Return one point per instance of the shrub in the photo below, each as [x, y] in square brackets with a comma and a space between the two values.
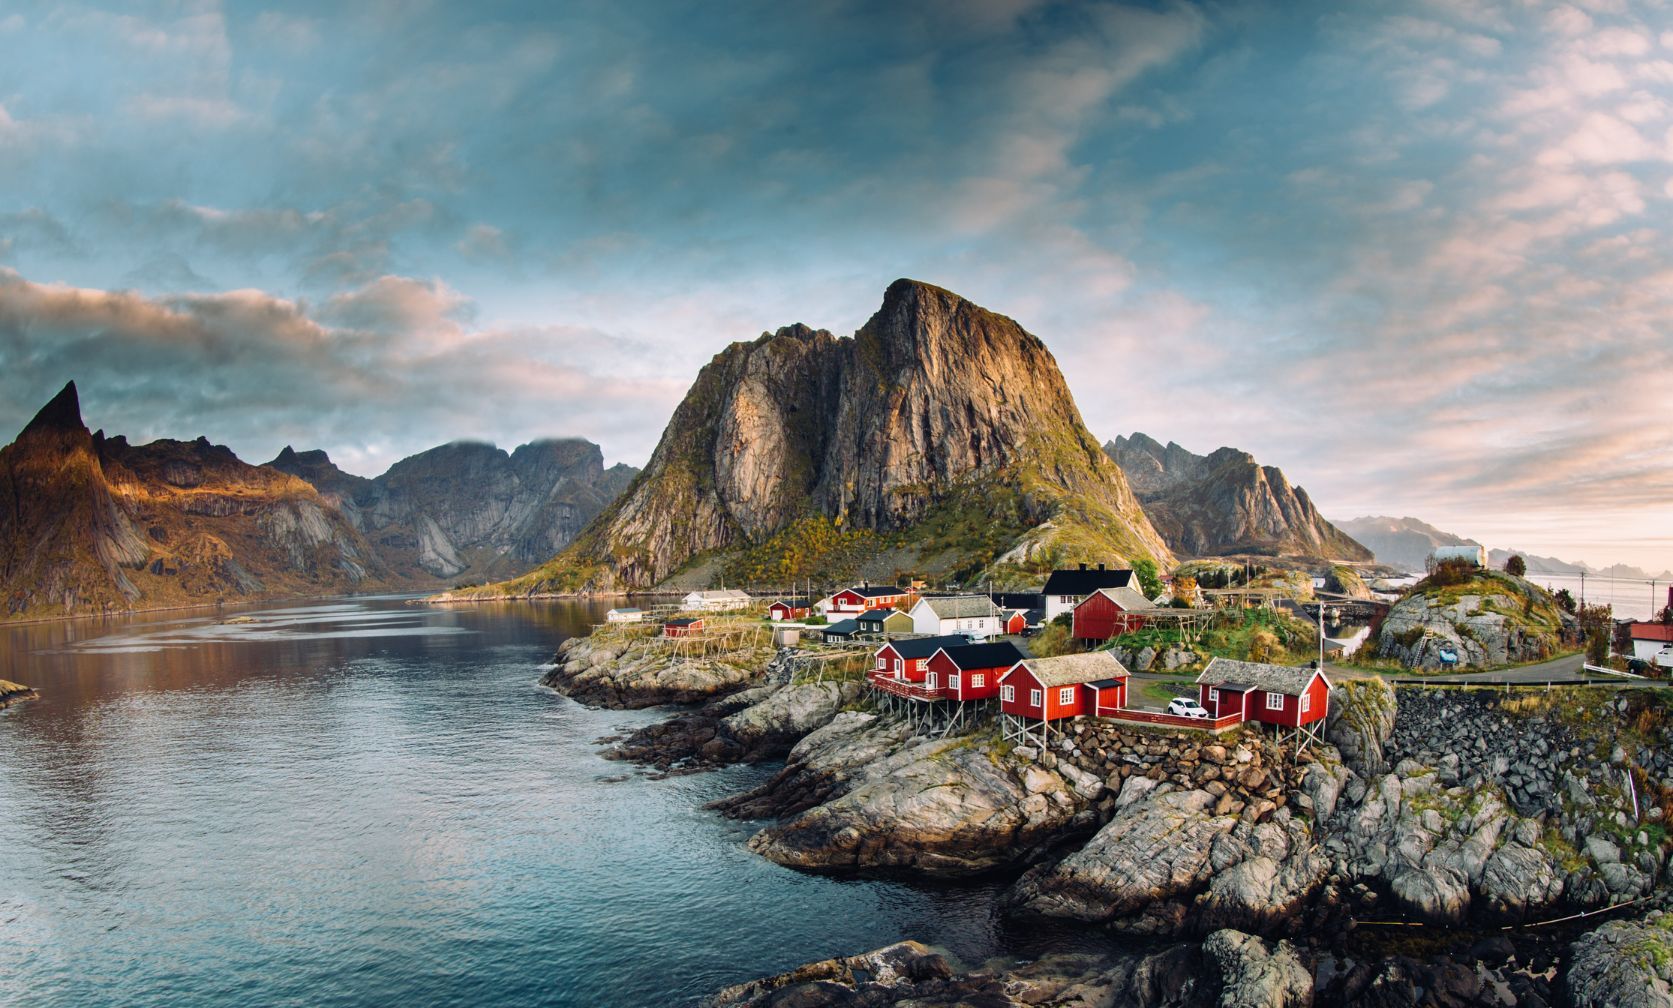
[1516, 566]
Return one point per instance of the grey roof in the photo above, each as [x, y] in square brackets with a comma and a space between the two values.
[846, 628]
[1074, 669]
[1129, 599]
[1290, 680]
[961, 606]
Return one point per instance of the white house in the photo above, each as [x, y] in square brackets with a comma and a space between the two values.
[1649, 638]
[716, 600]
[1066, 589]
[624, 616]
[972, 615]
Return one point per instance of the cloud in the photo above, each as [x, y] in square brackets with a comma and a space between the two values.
[371, 375]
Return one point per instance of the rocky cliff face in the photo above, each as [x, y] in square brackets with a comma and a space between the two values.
[470, 509]
[1401, 542]
[1224, 503]
[94, 524]
[1493, 618]
[933, 408]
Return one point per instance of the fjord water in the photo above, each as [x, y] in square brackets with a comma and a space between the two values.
[370, 802]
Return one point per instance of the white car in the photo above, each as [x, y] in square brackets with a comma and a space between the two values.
[1186, 707]
[1664, 657]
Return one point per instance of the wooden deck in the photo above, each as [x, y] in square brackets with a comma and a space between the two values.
[909, 690]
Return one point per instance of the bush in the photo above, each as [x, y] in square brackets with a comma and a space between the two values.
[1516, 566]
[1150, 581]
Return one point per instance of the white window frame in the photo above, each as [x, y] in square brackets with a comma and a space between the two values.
[1306, 703]
[1036, 698]
[1008, 693]
[1066, 695]
[897, 666]
[1271, 705]
[977, 680]
[952, 680]
[1213, 694]
[929, 681]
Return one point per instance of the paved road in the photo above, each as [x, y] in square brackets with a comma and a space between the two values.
[1566, 667]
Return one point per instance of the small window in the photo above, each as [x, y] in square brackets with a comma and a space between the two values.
[1275, 701]
[1007, 693]
[1066, 695]
[929, 680]
[1034, 697]
[1213, 695]
[1306, 703]
[952, 680]
[976, 680]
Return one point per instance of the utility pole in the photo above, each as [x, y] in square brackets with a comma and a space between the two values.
[1321, 631]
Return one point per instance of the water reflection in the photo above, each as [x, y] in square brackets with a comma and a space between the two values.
[369, 802]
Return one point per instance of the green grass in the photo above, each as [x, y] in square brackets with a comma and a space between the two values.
[1162, 692]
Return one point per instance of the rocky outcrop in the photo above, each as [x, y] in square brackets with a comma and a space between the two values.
[1224, 503]
[935, 408]
[1623, 964]
[1205, 838]
[14, 693]
[1493, 618]
[757, 724]
[863, 794]
[630, 671]
[1361, 719]
[470, 510]
[95, 524]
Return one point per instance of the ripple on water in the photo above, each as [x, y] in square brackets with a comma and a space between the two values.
[366, 802]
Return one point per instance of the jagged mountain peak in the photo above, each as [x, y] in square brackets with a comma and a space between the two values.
[1225, 502]
[933, 403]
[61, 413]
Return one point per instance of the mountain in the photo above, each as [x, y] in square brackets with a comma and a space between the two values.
[468, 508]
[1225, 503]
[1401, 542]
[1551, 565]
[93, 524]
[941, 435]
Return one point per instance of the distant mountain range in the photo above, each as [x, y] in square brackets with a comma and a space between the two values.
[1407, 542]
[93, 524]
[471, 509]
[1225, 503]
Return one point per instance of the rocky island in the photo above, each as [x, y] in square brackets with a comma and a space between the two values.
[14, 693]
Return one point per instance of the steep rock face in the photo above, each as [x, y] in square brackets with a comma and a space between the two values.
[91, 524]
[470, 508]
[1226, 503]
[934, 404]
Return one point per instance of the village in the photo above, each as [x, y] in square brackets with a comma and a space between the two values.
[946, 663]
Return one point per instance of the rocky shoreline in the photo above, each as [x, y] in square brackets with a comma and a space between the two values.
[14, 693]
[1454, 813]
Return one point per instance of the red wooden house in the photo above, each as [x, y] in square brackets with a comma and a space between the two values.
[858, 599]
[971, 671]
[1110, 612]
[790, 609]
[903, 680]
[1016, 621]
[1283, 695]
[1036, 692]
[685, 626]
[907, 659]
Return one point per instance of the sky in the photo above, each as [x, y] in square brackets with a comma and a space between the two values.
[1419, 255]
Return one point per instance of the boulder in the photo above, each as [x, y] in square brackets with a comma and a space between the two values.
[1256, 974]
[1623, 964]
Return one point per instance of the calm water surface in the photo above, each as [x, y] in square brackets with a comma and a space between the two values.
[367, 802]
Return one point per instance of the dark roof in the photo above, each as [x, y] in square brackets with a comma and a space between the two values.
[973, 656]
[1106, 683]
[875, 591]
[1085, 582]
[846, 628]
[878, 614]
[794, 603]
[1019, 600]
[1036, 616]
[683, 621]
[923, 647]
